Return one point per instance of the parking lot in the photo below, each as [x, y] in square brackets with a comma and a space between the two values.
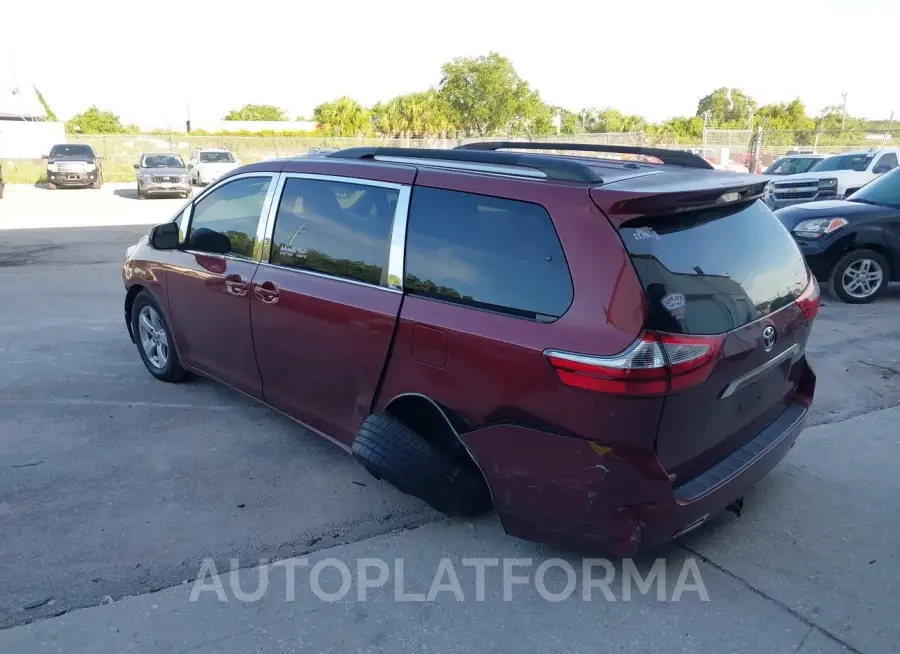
[114, 487]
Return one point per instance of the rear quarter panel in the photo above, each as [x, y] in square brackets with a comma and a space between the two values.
[491, 368]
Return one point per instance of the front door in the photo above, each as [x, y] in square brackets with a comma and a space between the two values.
[209, 281]
[323, 308]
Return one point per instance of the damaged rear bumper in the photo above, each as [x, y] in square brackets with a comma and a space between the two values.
[615, 499]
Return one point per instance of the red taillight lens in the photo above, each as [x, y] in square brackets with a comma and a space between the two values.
[655, 364]
[810, 299]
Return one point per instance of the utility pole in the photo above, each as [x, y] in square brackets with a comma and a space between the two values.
[705, 122]
[843, 110]
[818, 129]
[887, 134]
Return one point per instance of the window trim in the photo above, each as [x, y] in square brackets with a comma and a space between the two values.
[260, 221]
[396, 240]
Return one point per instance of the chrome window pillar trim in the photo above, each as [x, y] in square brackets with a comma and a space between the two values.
[397, 240]
[263, 246]
[397, 251]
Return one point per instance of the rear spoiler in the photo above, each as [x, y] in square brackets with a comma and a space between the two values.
[655, 195]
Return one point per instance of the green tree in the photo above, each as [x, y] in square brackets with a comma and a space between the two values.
[727, 108]
[51, 116]
[415, 115]
[95, 121]
[256, 112]
[486, 94]
[343, 117]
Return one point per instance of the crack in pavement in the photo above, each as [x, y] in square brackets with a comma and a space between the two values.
[337, 540]
[774, 600]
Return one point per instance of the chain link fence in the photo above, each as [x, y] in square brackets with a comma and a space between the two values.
[730, 149]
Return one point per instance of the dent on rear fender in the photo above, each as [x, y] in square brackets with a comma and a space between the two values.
[542, 482]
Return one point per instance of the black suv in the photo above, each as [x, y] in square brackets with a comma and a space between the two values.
[853, 244]
[73, 164]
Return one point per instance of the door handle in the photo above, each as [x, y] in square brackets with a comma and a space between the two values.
[236, 285]
[266, 292]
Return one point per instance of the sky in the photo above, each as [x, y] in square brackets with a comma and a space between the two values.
[155, 63]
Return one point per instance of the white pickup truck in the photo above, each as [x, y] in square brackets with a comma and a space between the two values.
[833, 178]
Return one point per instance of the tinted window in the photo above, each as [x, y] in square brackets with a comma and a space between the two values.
[487, 252]
[225, 220]
[888, 161]
[884, 190]
[335, 228]
[857, 162]
[713, 271]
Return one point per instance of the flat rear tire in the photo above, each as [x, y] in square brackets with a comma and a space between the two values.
[390, 450]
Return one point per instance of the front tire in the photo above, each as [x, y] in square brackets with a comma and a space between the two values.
[390, 450]
[98, 183]
[154, 339]
[51, 186]
[859, 277]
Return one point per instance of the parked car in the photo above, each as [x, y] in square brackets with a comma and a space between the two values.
[833, 178]
[209, 164]
[793, 164]
[162, 173]
[608, 351]
[73, 165]
[853, 245]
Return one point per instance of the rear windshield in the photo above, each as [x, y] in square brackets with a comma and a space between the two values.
[712, 271]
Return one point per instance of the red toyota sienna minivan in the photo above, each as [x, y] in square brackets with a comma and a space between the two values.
[606, 350]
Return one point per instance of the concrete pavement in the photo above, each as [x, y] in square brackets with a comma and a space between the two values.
[115, 488]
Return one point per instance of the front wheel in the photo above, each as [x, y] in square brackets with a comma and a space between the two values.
[51, 186]
[154, 339]
[97, 183]
[859, 276]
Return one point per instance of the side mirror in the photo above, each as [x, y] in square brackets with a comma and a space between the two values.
[164, 237]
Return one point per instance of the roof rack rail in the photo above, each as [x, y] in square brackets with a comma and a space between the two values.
[673, 157]
[499, 163]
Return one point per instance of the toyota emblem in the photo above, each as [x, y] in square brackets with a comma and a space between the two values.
[769, 336]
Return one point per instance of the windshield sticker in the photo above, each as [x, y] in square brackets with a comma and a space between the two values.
[644, 233]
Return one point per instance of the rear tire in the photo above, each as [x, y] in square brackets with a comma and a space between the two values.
[390, 450]
[162, 362]
[849, 269]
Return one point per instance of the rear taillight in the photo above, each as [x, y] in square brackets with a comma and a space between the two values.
[655, 364]
[809, 300]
